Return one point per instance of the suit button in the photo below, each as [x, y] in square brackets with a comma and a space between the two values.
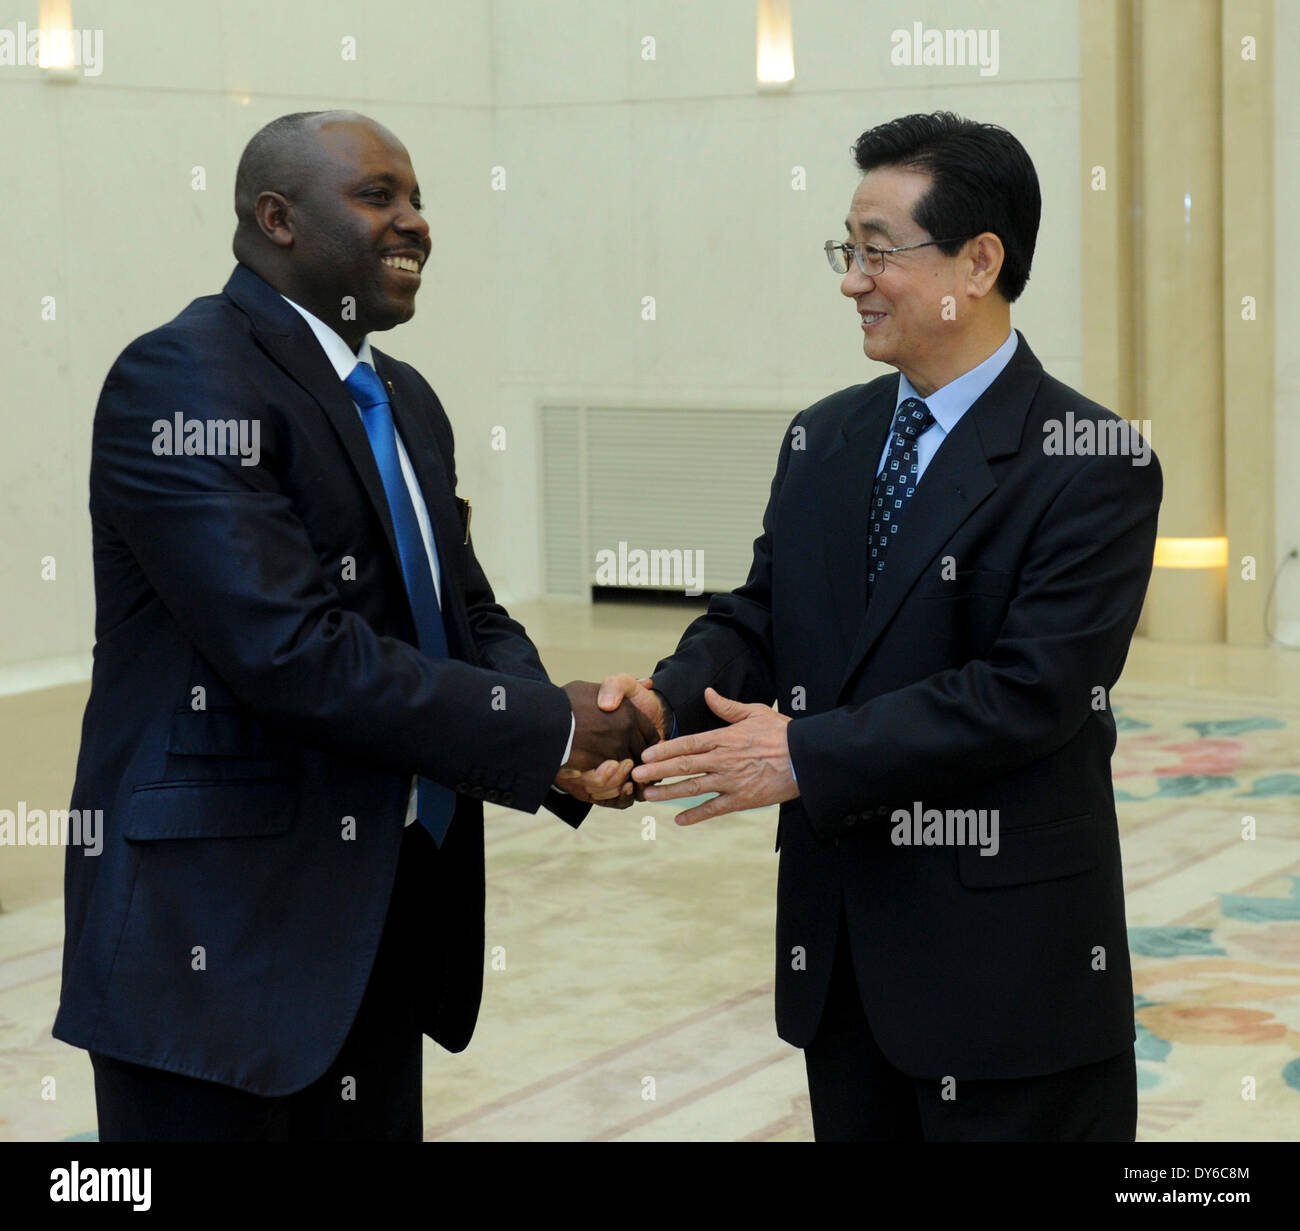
[491, 796]
[882, 809]
[507, 798]
[850, 821]
[462, 788]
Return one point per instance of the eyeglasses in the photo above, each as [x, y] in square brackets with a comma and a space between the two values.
[872, 260]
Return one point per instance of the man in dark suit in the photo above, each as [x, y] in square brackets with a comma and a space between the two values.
[940, 602]
[303, 687]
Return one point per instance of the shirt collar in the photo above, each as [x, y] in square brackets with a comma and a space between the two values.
[949, 403]
[337, 351]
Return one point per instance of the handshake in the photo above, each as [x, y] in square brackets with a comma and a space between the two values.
[621, 744]
[614, 723]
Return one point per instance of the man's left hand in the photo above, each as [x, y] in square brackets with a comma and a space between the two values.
[608, 785]
[747, 763]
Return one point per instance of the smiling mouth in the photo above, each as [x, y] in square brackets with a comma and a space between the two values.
[406, 264]
[871, 318]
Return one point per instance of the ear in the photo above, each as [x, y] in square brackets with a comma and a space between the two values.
[274, 218]
[986, 264]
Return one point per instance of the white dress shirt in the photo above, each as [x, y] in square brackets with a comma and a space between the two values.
[340, 355]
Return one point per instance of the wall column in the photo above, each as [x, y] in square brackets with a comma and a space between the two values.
[1180, 296]
[1248, 312]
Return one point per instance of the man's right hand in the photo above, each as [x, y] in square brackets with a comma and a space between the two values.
[618, 688]
[612, 732]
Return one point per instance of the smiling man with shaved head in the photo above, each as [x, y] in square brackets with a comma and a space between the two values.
[304, 689]
[329, 208]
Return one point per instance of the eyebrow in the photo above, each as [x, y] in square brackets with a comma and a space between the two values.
[384, 177]
[870, 224]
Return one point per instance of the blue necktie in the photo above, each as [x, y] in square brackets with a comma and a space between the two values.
[435, 804]
[895, 483]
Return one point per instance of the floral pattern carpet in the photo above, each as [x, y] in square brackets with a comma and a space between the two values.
[597, 995]
[1208, 795]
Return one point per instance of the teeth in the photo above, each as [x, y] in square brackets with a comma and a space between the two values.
[403, 262]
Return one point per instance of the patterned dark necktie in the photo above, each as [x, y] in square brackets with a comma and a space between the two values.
[895, 483]
[434, 803]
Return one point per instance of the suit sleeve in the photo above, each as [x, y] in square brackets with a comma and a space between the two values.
[502, 642]
[222, 547]
[729, 648]
[1066, 632]
[506, 646]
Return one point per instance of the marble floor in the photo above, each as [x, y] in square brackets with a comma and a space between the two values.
[635, 998]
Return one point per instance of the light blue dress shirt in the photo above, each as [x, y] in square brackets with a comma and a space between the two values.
[947, 404]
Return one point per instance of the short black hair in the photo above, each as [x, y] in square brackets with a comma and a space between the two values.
[277, 157]
[983, 180]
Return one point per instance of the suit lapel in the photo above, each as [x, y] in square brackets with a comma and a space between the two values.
[288, 340]
[290, 343]
[846, 479]
[956, 482]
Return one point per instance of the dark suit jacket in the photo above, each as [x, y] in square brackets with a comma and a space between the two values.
[258, 708]
[974, 692]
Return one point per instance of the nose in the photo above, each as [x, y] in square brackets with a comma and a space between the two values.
[411, 222]
[855, 282]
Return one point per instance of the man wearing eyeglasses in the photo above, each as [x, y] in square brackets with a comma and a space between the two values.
[939, 607]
